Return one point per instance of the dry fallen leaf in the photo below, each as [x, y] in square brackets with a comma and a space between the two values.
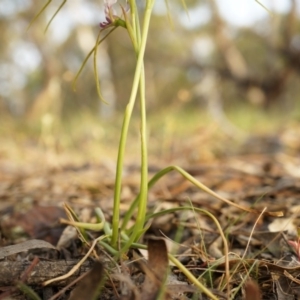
[155, 270]
[27, 246]
[90, 284]
[40, 222]
[252, 291]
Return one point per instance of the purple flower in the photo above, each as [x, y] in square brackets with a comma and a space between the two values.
[110, 14]
[111, 17]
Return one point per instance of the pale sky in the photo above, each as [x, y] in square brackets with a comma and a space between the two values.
[247, 12]
[235, 12]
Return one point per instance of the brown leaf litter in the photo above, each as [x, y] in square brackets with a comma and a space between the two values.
[263, 263]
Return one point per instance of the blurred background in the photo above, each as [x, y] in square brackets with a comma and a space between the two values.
[220, 67]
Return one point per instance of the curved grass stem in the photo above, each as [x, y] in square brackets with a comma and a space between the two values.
[198, 184]
[192, 278]
[55, 14]
[88, 56]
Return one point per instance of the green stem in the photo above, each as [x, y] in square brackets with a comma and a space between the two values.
[191, 277]
[134, 205]
[144, 161]
[125, 126]
[142, 202]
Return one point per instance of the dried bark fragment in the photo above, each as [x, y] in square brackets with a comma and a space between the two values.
[10, 271]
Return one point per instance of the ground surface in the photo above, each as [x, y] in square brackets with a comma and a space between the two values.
[261, 173]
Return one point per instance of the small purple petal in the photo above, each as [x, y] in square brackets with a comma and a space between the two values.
[104, 24]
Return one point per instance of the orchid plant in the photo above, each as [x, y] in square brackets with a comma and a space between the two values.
[118, 238]
[138, 37]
